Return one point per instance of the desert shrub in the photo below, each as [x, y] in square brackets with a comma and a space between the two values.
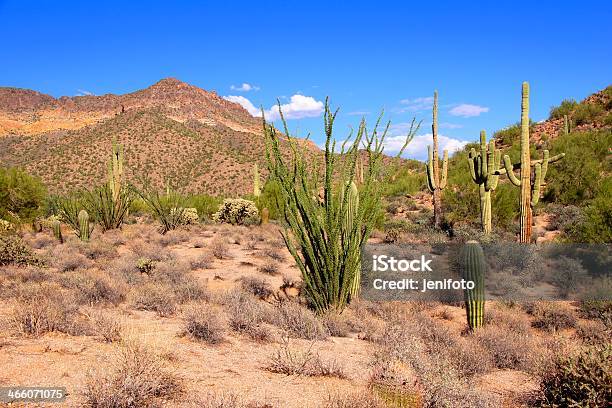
[205, 205]
[593, 332]
[597, 308]
[300, 322]
[361, 399]
[106, 327]
[220, 249]
[256, 286]
[335, 324]
[509, 349]
[67, 258]
[552, 316]
[190, 290]
[508, 135]
[43, 308]
[22, 196]
[155, 297]
[408, 180]
[246, 315]
[570, 276]
[289, 361]
[202, 323]
[237, 211]
[145, 265]
[564, 218]
[578, 177]
[566, 107]
[14, 251]
[136, 379]
[92, 287]
[203, 261]
[596, 224]
[269, 268]
[586, 113]
[581, 380]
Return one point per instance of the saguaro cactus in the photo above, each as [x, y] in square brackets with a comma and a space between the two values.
[530, 186]
[436, 181]
[115, 171]
[473, 268]
[84, 230]
[265, 215]
[485, 171]
[56, 226]
[566, 125]
[352, 206]
[256, 188]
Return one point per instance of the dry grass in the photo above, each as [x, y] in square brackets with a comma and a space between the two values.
[203, 323]
[289, 361]
[256, 286]
[155, 297]
[67, 258]
[553, 316]
[94, 287]
[106, 327]
[274, 254]
[203, 261]
[362, 399]
[220, 249]
[247, 316]
[136, 379]
[336, 325]
[269, 268]
[300, 322]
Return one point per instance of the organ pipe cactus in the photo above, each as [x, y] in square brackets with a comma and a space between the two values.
[530, 186]
[485, 171]
[256, 188]
[436, 182]
[56, 226]
[84, 231]
[473, 268]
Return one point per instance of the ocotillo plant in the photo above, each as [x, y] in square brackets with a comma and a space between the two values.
[473, 267]
[485, 171]
[256, 188]
[530, 186]
[436, 181]
[84, 231]
[56, 226]
[325, 247]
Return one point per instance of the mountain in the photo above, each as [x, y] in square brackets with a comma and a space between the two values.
[170, 131]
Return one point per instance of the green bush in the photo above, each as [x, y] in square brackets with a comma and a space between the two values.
[583, 380]
[566, 108]
[22, 196]
[205, 204]
[407, 182]
[510, 134]
[587, 113]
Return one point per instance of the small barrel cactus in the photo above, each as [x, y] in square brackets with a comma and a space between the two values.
[56, 226]
[84, 230]
[473, 268]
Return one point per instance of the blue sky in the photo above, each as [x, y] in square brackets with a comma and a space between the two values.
[365, 56]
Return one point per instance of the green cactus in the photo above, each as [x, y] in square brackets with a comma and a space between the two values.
[473, 267]
[84, 231]
[436, 182]
[56, 226]
[566, 125]
[485, 171]
[256, 189]
[115, 171]
[530, 187]
[352, 207]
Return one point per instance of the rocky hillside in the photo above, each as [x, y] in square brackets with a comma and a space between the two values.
[171, 131]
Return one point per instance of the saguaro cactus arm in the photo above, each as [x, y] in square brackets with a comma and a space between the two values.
[431, 180]
[510, 171]
[444, 176]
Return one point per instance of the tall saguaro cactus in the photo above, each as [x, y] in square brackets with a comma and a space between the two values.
[115, 171]
[530, 186]
[84, 230]
[256, 188]
[436, 182]
[350, 215]
[473, 267]
[485, 171]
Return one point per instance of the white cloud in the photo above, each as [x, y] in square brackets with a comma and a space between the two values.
[416, 104]
[299, 106]
[245, 103]
[245, 87]
[83, 92]
[467, 111]
[417, 148]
